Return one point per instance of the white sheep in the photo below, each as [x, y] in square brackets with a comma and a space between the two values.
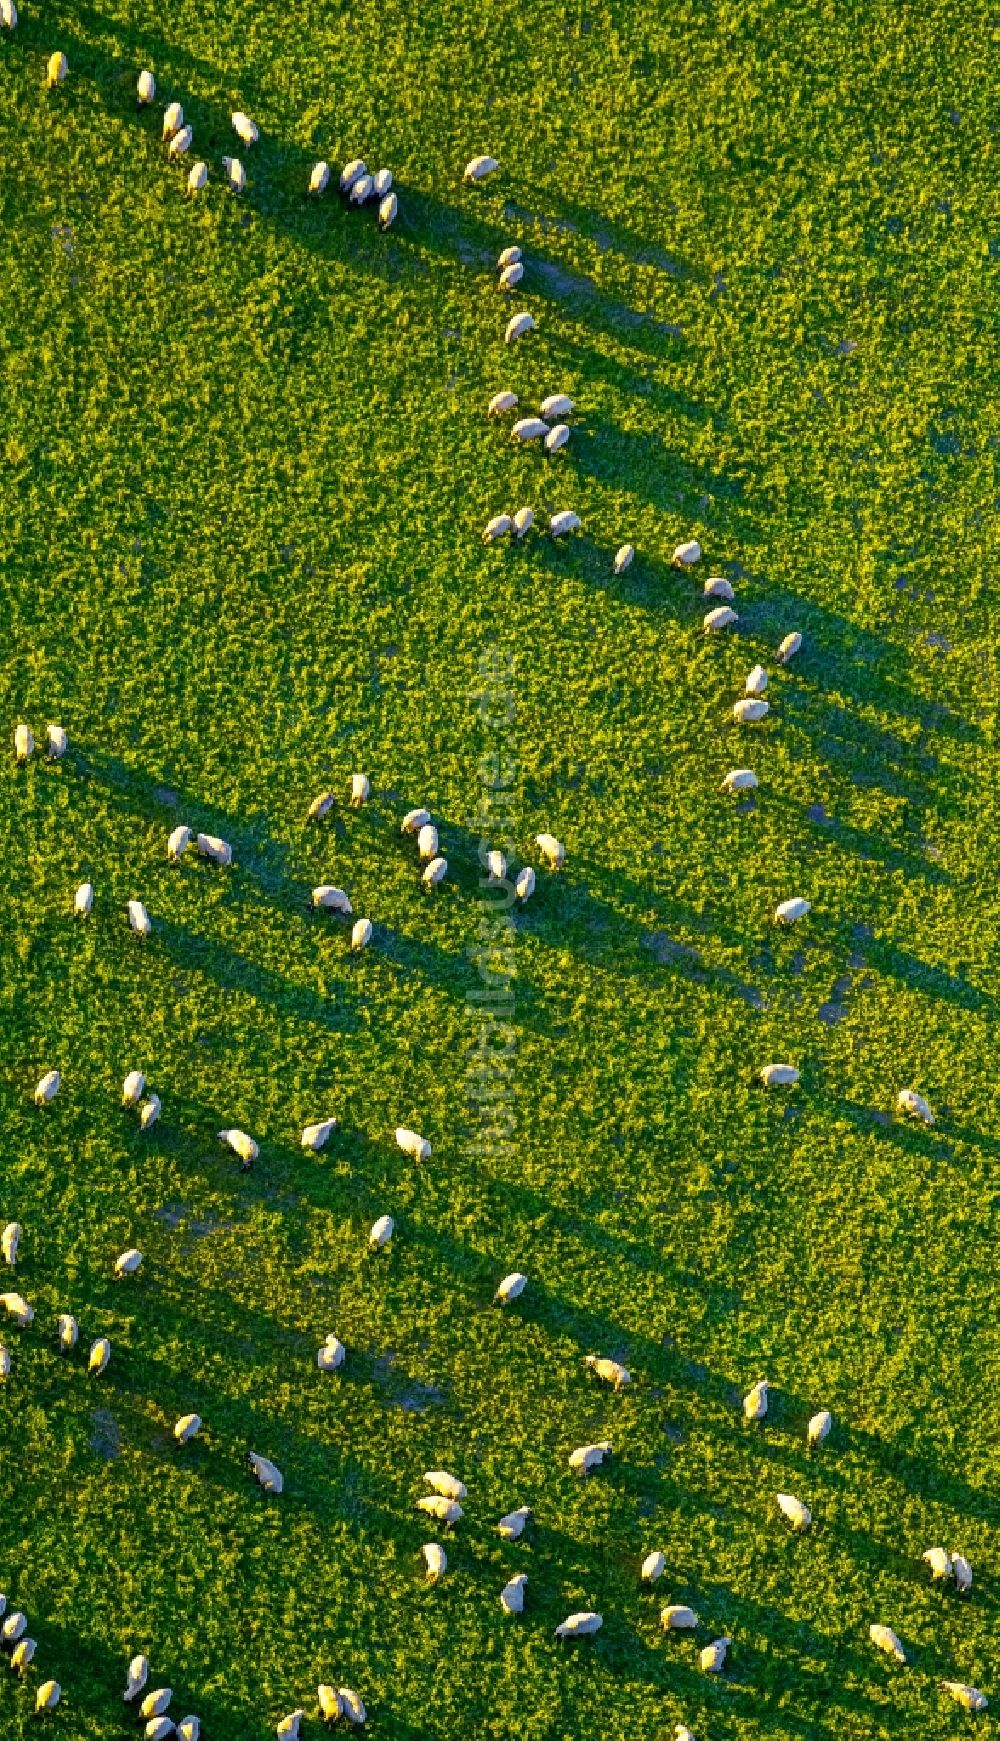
[552, 850]
[288, 1728]
[564, 522]
[524, 519]
[381, 1233]
[624, 557]
[435, 873]
[18, 1309]
[351, 173]
[47, 1087]
[187, 1428]
[4, 1362]
[756, 682]
[145, 89]
[8, 14]
[315, 1136]
[509, 257]
[57, 741]
[236, 176]
[361, 935]
[320, 806]
[885, 1639]
[132, 1088]
[908, 1100]
[789, 647]
[244, 128]
[266, 1473]
[497, 528]
[197, 178]
[436, 1561]
[383, 182]
[351, 1706]
[219, 851]
[510, 1289]
[712, 1659]
[173, 120]
[653, 1567]
[970, 1698]
[159, 1729]
[189, 1729]
[22, 1654]
[609, 1371]
[14, 1627]
[362, 190]
[511, 276]
[797, 1514]
[100, 1354]
[716, 587]
[55, 72]
[50, 1692]
[683, 1733]
[414, 821]
[178, 841]
[779, 1075]
[24, 743]
[10, 1239]
[180, 143]
[939, 1561]
[556, 405]
[446, 1511]
[740, 780]
[517, 327]
[83, 900]
[68, 1331]
[331, 1357]
[528, 429]
[961, 1571]
[449, 1486]
[511, 1527]
[241, 1145]
[139, 919]
[512, 1594]
[319, 177]
[155, 1704]
[787, 912]
[750, 709]
[330, 1707]
[427, 841]
[129, 1262]
[387, 211]
[501, 403]
[412, 1144]
[723, 618]
[686, 555]
[588, 1457]
[149, 1112]
[496, 866]
[332, 899]
[819, 1427]
[524, 886]
[582, 1625]
[478, 168]
[755, 1401]
[557, 438]
[360, 789]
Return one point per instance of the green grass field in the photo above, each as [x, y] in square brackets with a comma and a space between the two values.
[245, 464]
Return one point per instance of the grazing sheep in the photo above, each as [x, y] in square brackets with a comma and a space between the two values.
[497, 528]
[755, 1401]
[4, 1363]
[360, 789]
[587, 1457]
[8, 14]
[382, 182]
[55, 72]
[683, 1733]
[969, 1697]
[756, 682]
[17, 1308]
[241, 1145]
[24, 743]
[686, 555]
[789, 647]
[14, 1627]
[750, 709]
[156, 1703]
[173, 120]
[779, 1075]
[47, 1088]
[718, 588]
[962, 1572]
[509, 257]
[412, 1144]
[723, 618]
[288, 1728]
[511, 276]
[159, 1729]
[22, 1654]
[351, 1706]
[129, 1262]
[517, 327]
[50, 1692]
[677, 1618]
[219, 851]
[145, 89]
[58, 742]
[178, 842]
[624, 558]
[512, 1594]
[435, 873]
[186, 1428]
[83, 900]
[381, 1233]
[501, 403]
[68, 1332]
[361, 935]
[319, 177]
[330, 1707]
[478, 168]
[557, 438]
[582, 1625]
[711, 1660]
[496, 866]
[10, 1239]
[939, 1561]
[653, 1567]
[885, 1639]
[510, 1289]
[236, 176]
[387, 211]
[528, 429]
[564, 522]
[189, 1729]
[798, 1515]
[351, 173]
[320, 806]
[149, 1112]
[316, 1135]
[787, 912]
[436, 1561]
[556, 405]
[180, 142]
[740, 780]
[552, 850]
[511, 1527]
[819, 1428]
[448, 1485]
[908, 1100]
[524, 519]
[609, 1371]
[265, 1472]
[524, 886]
[427, 841]
[100, 1354]
[414, 821]
[244, 128]
[333, 900]
[362, 190]
[132, 1088]
[445, 1510]
[139, 919]
[331, 1357]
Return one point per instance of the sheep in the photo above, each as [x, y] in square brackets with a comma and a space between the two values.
[24, 744]
[564, 522]
[412, 1144]
[512, 1594]
[582, 1625]
[17, 1308]
[683, 1733]
[511, 1527]
[68, 1332]
[288, 1728]
[445, 1510]
[529, 429]
[245, 129]
[723, 618]
[756, 682]
[478, 168]
[14, 1627]
[83, 900]
[362, 190]
[100, 1354]
[511, 276]
[178, 841]
[524, 886]
[47, 1087]
[885, 1639]
[330, 1707]
[755, 1401]
[908, 1100]
[57, 741]
[4, 1363]
[331, 1357]
[129, 1263]
[587, 1457]
[556, 405]
[712, 1659]
[360, 789]
[145, 89]
[517, 327]
[675, 1617]
[159, 1729]
[173, 120]
[497, 528]
[387, 211]
[624, 557]
[381, 1233]
[552, 850]
[315, 1136]
[180, 142]
[219, 851]
[718, 588]
[962, 1572]
[351, 1706]
[22, 1654]
[197, 178]
[818, 1429]
[436, 1561]
[333, 900]
[10, 1239]
[50, 1692]
[382, 182]
[236, 175]
[132, 1088]
[501, 403]
[779, 1075]
[653, 1567]
[319, 177]
[351, 173]
[969, 1697]
[156, 1703]
[496, 866]
[798, 1515]
[524, 519]
[557, 438]
[435, 873]
[320, 807]
[189, 1729]
[55, 72]
[266, 1473]
[241, 1145]
[686, 555]
[139, 919]
[787, 912]
[510, 1289]
[789, 647]
[750, 709]
[440, 1481]
[939, 1561]
[740, 780]
[414, 821]
[8, 14]
[149, 1112]
[427, 841]
[187, 1428]
[609, 1371]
